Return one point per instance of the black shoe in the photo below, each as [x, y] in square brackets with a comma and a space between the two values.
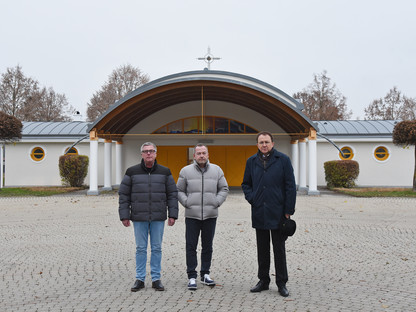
[158, 285]
[261, 285]
[283, 291]
[138, 284]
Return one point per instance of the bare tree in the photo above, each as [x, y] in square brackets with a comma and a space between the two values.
[15, 89]
[10, 128]
[322, 100]
[100, 101]
[404, 134]
[121, 81]
[393, 106]
[22, 98]
[47, 105]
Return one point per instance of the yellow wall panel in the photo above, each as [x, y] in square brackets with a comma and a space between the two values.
[173, 157]
[236, 163]
[231, 159]
[217, 155]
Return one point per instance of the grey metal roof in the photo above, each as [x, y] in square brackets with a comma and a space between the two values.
[56, 129]
[356, 127]
[327, 128]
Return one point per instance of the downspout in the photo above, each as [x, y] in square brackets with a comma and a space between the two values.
[324, 137]
[83, 138]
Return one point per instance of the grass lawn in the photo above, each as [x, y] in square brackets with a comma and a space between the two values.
[376, 192]
[37, 191]
[357, 192]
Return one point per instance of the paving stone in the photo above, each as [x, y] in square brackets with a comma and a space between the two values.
[71, 253]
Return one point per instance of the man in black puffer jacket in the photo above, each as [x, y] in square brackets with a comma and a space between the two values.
[147, 196]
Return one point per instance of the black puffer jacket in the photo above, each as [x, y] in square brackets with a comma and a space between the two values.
[147, 194]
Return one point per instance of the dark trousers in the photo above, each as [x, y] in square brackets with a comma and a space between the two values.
[263, 255]
[195, 227]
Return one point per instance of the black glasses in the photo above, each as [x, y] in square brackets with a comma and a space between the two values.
[149, 151]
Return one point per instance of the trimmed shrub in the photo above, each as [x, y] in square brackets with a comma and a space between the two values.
[341, 173]
[73, 169]
[10, 128]
[404, 133]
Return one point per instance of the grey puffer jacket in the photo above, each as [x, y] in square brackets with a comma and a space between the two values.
[202, 192]
[147, 195]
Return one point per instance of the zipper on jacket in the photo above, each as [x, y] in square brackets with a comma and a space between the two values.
[150, 198]
[202, 196]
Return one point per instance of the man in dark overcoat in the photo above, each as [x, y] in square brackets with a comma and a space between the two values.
[269, 186]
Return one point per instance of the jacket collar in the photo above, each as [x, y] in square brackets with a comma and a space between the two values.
[274, 155]
[199, 168]
[149, 169]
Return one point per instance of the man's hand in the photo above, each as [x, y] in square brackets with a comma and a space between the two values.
[126, 222]
[171, 221]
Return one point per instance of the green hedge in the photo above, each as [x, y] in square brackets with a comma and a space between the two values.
[73, 169]
[341, 173]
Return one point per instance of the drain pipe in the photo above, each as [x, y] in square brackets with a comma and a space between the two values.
[83, 138]
[324, 137]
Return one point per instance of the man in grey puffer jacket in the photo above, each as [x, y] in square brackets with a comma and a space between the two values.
[202, 188]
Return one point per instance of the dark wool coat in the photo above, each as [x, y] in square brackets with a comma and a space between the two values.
[270, 190]
[146, 196]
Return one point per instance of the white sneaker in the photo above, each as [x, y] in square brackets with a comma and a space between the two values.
[192, 284]
[207, 280]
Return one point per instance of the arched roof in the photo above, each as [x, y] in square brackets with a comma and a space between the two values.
[207, 85]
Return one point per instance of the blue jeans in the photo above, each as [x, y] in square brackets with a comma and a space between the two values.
[142, 230]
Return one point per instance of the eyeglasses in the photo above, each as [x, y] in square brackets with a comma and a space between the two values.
[149, 151]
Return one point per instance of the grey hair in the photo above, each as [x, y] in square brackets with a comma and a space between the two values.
[148, 144]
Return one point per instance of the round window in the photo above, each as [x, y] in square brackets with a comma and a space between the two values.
[37, 154]
[348, 153]
[72, 151]
[381, 153]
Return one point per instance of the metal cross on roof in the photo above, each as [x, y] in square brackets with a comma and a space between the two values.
[209, 58]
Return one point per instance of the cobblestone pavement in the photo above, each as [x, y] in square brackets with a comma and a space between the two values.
[71, 253]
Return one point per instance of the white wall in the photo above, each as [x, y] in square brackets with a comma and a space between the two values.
[397, 170]
[22, 170]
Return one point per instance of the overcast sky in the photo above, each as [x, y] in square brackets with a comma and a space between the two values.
[366, 46]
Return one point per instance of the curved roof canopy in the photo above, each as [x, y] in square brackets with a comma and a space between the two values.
[203, 85]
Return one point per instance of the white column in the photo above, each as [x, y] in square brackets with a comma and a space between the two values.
[107, 165]
[1, 166]
[119, 162]
[295, 160]
[93, 165]
[302, 165]
[313, 189]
